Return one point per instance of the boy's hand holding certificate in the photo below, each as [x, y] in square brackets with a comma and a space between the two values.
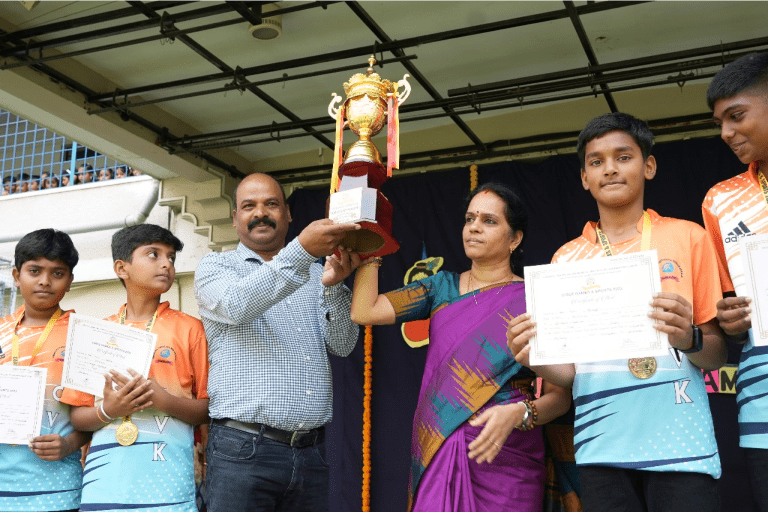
[94, 347]
[754, 254]
[594, 310]
[22, 396]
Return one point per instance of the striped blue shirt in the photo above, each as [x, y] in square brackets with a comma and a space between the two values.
[270, 326]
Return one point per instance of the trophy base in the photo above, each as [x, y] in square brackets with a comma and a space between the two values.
[373, 212]
[370, 240]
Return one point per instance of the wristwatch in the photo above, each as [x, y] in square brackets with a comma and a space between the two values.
[698, 341]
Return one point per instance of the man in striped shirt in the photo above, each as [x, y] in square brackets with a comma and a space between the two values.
[271, 315]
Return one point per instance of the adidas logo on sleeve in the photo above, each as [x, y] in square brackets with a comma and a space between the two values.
[741, 230]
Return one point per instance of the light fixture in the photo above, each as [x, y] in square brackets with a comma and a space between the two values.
[270, 27]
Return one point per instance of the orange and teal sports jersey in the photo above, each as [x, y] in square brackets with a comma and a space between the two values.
[156, 473]
[734, 209]
[28, 483]
[662, 423]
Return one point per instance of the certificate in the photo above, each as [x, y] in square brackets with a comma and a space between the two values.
[754, 254]
[594, 310]
[94, 347]
[22, 396]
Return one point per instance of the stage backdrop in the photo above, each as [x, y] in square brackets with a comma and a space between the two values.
[428, 217]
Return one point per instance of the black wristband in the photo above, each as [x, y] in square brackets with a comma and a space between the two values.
[698, 341]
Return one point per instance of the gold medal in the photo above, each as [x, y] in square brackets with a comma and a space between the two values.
[642, 368]
[127, 432]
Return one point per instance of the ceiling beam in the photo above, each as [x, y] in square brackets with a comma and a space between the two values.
[367, 49]
[84, 21]
[231, 141]
[494, 99]
[164, 34]
[63, 78]
[233, 87]
[720, 49]
[415, 73]
[587, 46]
[223, 66]
[548, 142]
[115, 30]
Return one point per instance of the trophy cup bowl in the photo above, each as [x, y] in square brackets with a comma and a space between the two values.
[358, 198]
[366, 117]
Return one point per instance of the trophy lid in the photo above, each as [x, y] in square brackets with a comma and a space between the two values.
[370, 83]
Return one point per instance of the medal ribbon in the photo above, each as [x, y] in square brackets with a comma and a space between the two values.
[645, 243]
[763, 185]
[150, 325]
[40, 341]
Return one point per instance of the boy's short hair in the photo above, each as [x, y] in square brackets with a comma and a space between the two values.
[125, 241]
[615, 121]
[46, 243]
[747, 72]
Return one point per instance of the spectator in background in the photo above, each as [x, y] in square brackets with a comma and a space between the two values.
[120, 172]
[45, 181]
[54, 183]
[88, 175]
[34, 185]
[79, 174]
[105, 174]
[24, 183]
[135, 172]
[65, 177]
[6, 186]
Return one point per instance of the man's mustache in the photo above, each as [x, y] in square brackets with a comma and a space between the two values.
[256, 221]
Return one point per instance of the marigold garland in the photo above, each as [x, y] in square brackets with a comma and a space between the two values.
[472, 177]
[368, 373]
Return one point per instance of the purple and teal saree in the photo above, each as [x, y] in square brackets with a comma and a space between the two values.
[469, 368]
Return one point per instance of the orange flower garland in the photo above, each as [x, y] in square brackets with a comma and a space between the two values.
[367, 419]
[472, 177]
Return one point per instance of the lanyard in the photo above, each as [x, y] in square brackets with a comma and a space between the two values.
[40, 341]
[645, 244]
[763, 184]
[150, 324]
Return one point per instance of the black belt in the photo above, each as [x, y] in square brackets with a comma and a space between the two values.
[302, 438]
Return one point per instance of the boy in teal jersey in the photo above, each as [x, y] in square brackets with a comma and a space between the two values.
[153, 471]
[46, 475]
[643, 439]
[734, 209]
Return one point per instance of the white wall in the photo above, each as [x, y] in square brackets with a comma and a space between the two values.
[105, 298]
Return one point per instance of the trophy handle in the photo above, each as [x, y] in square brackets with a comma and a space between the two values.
[405, 94]
[334, 111]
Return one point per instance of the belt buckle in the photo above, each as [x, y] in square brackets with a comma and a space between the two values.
[297, 434]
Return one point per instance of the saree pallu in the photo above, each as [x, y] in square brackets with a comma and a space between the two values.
[469, 367]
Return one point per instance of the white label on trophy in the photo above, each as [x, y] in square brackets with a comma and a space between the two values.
[352, 206]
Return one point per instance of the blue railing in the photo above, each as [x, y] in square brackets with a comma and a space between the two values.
[34, 158]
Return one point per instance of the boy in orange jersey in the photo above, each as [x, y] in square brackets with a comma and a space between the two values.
[154, 471]
[643, 441]
[734, 209]
[46, 475]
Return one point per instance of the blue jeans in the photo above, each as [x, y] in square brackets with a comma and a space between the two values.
[248, 472]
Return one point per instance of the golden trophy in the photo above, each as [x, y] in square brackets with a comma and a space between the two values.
[355, 195]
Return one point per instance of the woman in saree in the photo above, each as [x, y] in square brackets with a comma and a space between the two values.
[477, 440]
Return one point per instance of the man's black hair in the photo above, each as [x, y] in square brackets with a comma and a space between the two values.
[125, 241]
[615, 121]
[46, 243]
[747, 72]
